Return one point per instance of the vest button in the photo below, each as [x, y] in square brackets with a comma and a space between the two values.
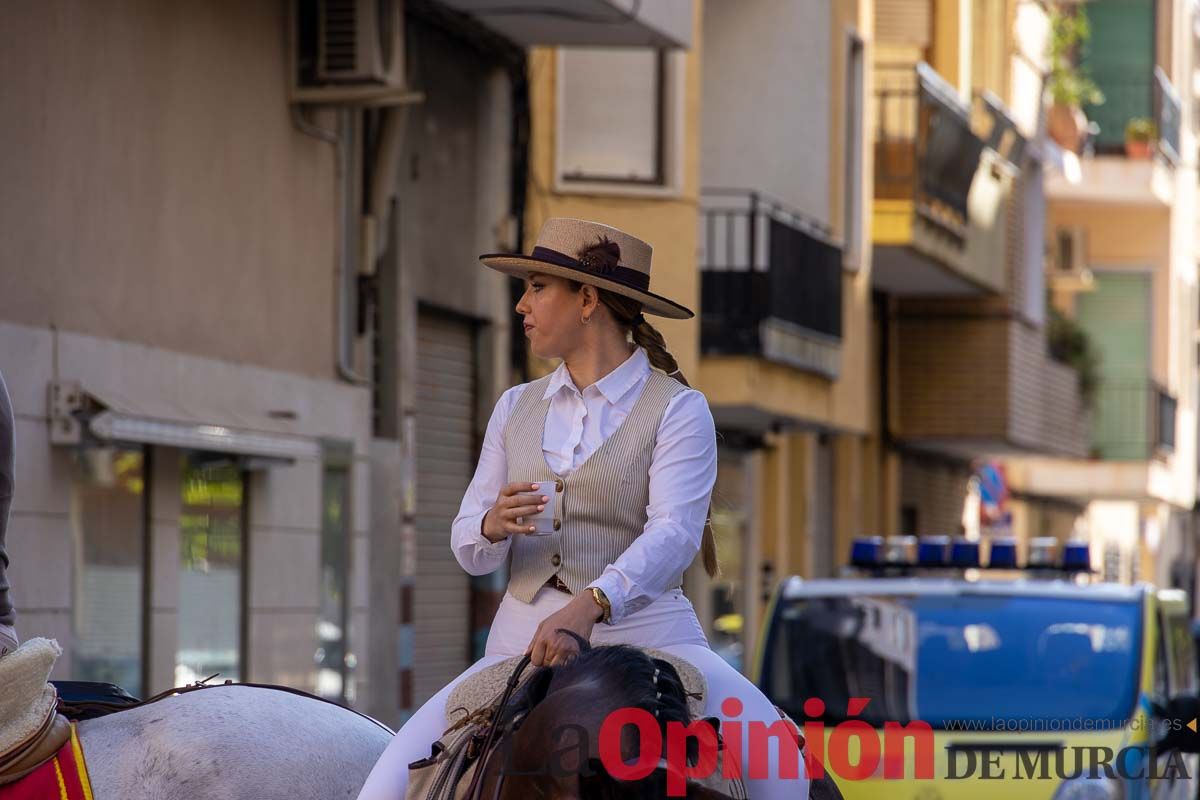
[557, 524]
[556, 559]
[559, 485]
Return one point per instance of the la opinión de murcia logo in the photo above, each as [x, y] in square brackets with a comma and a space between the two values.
[692, 751]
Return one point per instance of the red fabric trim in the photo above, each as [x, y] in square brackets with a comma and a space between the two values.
[44, 782]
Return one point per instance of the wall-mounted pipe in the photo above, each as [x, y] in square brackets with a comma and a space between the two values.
[361, 236]
[345, 258]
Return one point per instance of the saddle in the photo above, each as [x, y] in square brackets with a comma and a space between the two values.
[31, 729]
[476, 710]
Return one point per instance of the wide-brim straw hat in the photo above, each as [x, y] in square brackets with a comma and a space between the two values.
[27, 701]
[559, 246]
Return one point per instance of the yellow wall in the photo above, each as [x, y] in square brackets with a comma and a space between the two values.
[668, 224]
[950, 54]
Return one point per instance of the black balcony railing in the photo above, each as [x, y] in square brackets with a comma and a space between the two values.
[995, 125]
[924, 147]
[1132, 420]
[1126, 98]
[765, 267]
[1168, 111]
[1165, 408]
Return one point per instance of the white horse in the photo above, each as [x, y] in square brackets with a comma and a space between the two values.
[231, 743]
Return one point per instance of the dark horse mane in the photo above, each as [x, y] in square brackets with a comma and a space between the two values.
[626, 677]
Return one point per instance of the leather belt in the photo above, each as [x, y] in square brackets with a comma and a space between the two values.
[555, 582]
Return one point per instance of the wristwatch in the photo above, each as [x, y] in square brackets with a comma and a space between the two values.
[601, 600]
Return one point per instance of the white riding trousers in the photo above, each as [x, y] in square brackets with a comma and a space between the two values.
[669, 623]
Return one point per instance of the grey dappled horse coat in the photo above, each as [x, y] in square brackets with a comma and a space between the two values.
[231, 743]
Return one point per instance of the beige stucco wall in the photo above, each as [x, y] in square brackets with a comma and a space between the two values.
[171, 202]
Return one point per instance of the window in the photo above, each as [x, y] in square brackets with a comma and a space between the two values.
[108, 526]
[618, 118]
[333, 657]
[730, 520]
[852, 214]
[211, 551]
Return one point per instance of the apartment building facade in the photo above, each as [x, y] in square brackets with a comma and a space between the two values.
[785, 266]
[249, 344]
[966, 373]
[1121, 228]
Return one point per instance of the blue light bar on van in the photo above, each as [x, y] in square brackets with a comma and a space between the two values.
[1076, 557]
[1003, 554]
[933, 551]
[900, 550]
[866, 551]
[964, 553]
[1043, 553]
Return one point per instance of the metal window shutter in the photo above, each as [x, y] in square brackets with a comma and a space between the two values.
[595, 140]
[1117, 318]
[445, 463]
[1120, 58]
[903, 22]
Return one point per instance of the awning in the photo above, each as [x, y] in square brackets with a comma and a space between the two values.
[80, 416]
[586, 23]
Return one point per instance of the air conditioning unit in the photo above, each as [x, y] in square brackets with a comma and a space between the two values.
[348, 52]
[1068, 260]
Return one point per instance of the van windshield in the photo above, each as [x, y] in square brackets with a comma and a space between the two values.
[959, 661]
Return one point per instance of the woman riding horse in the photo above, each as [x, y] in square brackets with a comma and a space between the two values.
[615, 456]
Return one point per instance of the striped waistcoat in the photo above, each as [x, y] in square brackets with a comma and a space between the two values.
[601, 505]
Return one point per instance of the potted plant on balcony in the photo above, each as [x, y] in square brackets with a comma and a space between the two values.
[1070, 344]
[1070, 89]
[1140, 135]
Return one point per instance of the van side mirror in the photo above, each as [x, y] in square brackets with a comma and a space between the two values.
[1180, 723]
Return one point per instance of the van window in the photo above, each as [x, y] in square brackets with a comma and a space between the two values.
[1182, 654]
[976, 661]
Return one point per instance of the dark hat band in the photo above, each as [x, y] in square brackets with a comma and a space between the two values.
[634, 279]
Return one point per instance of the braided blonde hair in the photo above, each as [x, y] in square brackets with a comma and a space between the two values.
[627, 313]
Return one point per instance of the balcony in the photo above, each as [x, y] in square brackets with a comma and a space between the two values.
[978, 383]
[771, 283]
[926, 160]
[1153, 97]
[1107, 174]
[1134, 420]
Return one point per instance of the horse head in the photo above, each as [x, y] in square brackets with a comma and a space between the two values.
[550, 731]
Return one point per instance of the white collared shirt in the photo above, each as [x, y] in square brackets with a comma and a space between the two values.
[682, 473]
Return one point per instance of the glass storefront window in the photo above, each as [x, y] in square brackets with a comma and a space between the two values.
[211, 527]
[108, 525]
[728, 521]
[332, 657]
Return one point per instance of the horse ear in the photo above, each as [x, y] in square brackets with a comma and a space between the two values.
[527, 695]
[693, 744]
[534, 690]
